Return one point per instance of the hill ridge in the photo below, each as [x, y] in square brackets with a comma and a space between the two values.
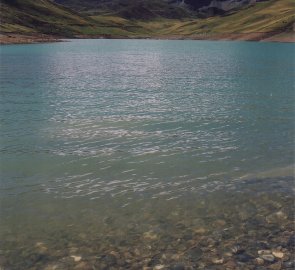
[265, 20]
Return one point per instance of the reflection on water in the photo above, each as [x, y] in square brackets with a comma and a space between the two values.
[157, 154]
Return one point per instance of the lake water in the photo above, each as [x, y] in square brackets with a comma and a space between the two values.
[124, 154]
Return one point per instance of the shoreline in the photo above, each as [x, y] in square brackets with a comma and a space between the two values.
[283, 37]
[14, 39]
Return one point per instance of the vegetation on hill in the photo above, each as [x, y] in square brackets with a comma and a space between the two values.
[265, 19]
[43, 16]
[130, 9]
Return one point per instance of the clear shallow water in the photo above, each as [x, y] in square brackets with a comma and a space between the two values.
[118, 137]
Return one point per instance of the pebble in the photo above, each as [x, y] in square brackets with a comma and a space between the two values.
[230, 265]
[150, 235]
[41, 248]
[281, 215]
[276, 217]
[200, 231]
[276, 266]
[220, 222]
[76, 258]
[278, 254]
[259, 261]
[264, 252]
[268, 257]
[218, 261]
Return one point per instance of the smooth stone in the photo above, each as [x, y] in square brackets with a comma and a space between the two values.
[220, 222]
[218, 261]
[264, 252]
[259, 261]
[150, 235]
[39, 244]
[276, 266]
[76, 258]
[278, 254]
[230, 265]
[41, 248]
[268, 257]
[200, 230]
[276, 217]
[281, 215]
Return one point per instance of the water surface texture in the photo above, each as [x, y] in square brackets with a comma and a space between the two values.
[124, 154]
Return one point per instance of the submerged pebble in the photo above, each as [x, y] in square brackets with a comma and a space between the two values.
[259, 261]
[264, 252]
[268, 257]
[218, 260]
[76, 258]
[278, 254]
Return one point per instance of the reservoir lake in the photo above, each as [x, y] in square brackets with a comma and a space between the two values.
[147, 154]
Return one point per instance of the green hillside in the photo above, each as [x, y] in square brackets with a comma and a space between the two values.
[43, 16]
[263, 19]
[271, 17]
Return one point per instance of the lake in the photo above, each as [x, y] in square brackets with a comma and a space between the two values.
[125, 154]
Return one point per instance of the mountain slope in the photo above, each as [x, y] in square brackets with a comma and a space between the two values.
[264, 19]
[252, 22]
[129, 9]
[166, 8]
[43, 16]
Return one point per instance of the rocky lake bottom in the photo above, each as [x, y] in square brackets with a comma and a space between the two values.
[246, 224]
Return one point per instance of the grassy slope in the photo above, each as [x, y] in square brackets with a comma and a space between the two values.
[273, 16]
[45, 17]
[263, 17]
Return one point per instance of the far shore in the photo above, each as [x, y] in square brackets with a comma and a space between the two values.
[15, 38]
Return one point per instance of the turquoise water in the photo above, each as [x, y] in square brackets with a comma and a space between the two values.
[102, 140]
